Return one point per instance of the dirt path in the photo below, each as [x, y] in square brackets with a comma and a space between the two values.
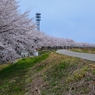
[76, 54]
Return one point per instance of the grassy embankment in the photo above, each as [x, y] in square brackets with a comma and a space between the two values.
[90, 50]
[48, 74]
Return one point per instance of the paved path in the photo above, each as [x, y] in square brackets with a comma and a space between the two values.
[76, 54]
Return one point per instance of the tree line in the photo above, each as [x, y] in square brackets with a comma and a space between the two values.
[18, 34]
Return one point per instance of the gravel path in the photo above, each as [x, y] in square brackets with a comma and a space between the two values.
[76, 54]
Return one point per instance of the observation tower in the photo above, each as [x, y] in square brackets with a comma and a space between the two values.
[38, 19]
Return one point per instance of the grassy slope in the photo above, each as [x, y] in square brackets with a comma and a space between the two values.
[49, 74]
[84, 50]
[13, 78]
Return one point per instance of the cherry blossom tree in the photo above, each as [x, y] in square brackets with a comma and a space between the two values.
[16, 31]
[18, 34]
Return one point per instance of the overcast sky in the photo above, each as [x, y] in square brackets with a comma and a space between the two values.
[73, 19]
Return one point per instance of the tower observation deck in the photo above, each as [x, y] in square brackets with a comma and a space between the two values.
[38, 19]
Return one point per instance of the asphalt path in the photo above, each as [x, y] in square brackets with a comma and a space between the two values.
[86, 56]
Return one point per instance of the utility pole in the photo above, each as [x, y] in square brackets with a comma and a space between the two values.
[38, 19]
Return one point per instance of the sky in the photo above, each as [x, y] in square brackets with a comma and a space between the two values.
[72, 19]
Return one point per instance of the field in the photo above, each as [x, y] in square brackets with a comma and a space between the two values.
[48, 74]
[90, 50]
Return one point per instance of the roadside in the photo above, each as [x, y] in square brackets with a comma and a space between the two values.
[87, 56]
[84, 50]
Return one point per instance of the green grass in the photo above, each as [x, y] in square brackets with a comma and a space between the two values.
[48, 74]
[12, 78]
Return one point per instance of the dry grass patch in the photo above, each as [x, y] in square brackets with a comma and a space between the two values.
[62, 75]
[85, 50]
[56, 76]
[78, 74]
[51, 74]
[2, 66]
